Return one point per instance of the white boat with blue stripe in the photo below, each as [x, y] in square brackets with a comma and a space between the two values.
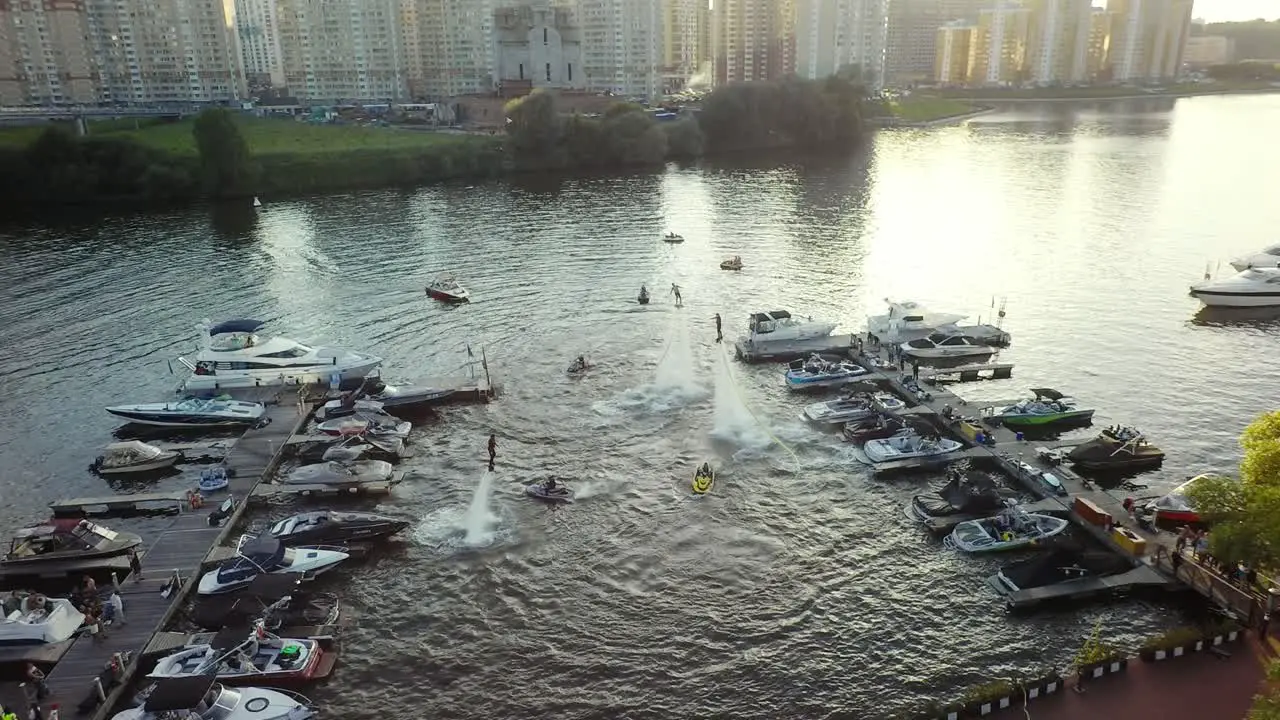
[818, 372]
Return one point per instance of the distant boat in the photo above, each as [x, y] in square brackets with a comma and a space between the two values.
[256, 202]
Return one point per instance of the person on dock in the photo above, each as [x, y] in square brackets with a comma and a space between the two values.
[675, 290]
[35, 676]
[915, 370]
[719, 334]
[135, 566]
[493, 450]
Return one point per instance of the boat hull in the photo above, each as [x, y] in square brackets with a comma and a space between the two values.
[1220, 298]
[308, 375]
[968, 353]
[538, 492]
[445, 296]
[174, 420]
[161, 463]
[1041, 420]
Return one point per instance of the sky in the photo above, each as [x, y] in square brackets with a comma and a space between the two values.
[1235, 10]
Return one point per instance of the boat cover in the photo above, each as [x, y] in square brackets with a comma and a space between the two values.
[1049, 393]
[130, 451]
[244, 325]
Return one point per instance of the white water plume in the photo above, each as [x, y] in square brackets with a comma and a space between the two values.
[734, 421]
[479, 521]
[675, 369]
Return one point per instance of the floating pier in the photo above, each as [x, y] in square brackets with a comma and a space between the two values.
[967, 373]
[175, 499]
[268, 490]
[748, 351]
[1142, 577]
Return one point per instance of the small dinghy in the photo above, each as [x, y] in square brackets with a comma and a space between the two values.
[817, 372]
[201, 697]
[133, 456]
[643, 298]
[35, 619]
[672, 238]
[550, 491]
[213, 479]
[703, 478]
[908, 446]
[1012, 529]
[734, 263]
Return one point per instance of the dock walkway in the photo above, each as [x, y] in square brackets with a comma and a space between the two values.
[179, 552]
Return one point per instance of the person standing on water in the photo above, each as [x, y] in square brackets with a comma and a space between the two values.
[493, 450]
[719, 335]
[675, 290]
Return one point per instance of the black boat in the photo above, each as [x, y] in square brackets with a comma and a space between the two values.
[1117, 448]
[329, 526]
[1059, 565]
[967, 496]
[66, 539]
[277, 600]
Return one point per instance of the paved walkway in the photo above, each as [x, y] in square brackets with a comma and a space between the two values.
[1196, 687]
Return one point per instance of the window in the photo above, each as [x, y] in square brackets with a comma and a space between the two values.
[521, 71]
[548, 72]
[544, 36]
[570, 68]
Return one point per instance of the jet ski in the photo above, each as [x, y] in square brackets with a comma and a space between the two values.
[703, 479]
[643, 298]
[541, 491]
[579, 365]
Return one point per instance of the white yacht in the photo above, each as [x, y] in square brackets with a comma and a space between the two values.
[1253, 287]
[1268, 257]
[234, 355]
[944, 346]
[258, 556]
[202, 697]
[37, 620]
[909, 318]
[780, 326]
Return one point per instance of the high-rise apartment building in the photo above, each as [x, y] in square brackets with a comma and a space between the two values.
[538, 46]
[686, 44]
[258, 34]
[998, 50]
[622, 46]
[1207, 50]
[456, 49]
[1058, 47]
[1147, 38]
[912, 34]
[753, 40]
[952, 61]
[1099, 27]
[841, 35]
[342, 50]
[45, 54]
[163, 51]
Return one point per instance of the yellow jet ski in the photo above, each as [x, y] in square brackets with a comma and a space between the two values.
[703, 479]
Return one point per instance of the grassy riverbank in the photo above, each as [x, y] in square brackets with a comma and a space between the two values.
[919, 109]
[1104, 92]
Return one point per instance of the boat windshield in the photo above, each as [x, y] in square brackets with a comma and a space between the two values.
[93, 534]
[290, 556]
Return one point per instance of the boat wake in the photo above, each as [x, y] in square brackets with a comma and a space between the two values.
[651, 399]
[476, 526]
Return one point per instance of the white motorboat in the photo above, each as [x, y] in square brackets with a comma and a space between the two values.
[201, 697]
[857, 407]
[234, 355]
[909, 318]
[250, 655]
[367, 423]
[346, 406]
[908, 446]
[133, 456]
[338, 472]
[193, 412]
[780, 326]
[1011, 529]
[1268, 257]
[817, 372]
[1253, 287]
[672, 237]
[264, 555]
[943, 346]
[37, 620]
[446, 288]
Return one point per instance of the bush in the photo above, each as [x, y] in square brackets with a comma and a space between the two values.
[1176, 637]
[990, 691]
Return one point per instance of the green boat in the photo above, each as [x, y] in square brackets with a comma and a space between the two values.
[1048, 407]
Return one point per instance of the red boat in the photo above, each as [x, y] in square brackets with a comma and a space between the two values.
[448, 289]
[1176, 507]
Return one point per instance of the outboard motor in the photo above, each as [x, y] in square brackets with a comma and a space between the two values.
[223, 512]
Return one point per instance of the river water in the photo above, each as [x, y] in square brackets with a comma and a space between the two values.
[797, 587]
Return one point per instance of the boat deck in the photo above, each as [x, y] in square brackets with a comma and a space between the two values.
[794, 349]
[177, 553]
[966, 373]
[269, 490]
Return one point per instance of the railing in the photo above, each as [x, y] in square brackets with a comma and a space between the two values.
[1246, 604]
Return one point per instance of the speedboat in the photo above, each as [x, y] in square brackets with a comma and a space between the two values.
[561, 493]
[1117, 448]
[374, 424]
[1058, 565]
[780, 326]
[234, 355]
[643, 297]
[348, 405]
[338, 472]
[276, 600]
[1269, 257]
[1011, 529]
[1176, 507]
[966, 496]
[250, 655]
[733, 263]
[818, 372]
[856, 407]
[133, 456]
[944, 346]
[1253, 287]
[407, 398]
[447, 289]
[261, 555]
[66, 539]
[329, 526]
[1048, 407]
[213, 479]
[874, 427]
[703, 478]
[672, 238]
[353, 447]
[193, 412]
[201, 697]
[909, 318]
[38, 619]
[908, 446]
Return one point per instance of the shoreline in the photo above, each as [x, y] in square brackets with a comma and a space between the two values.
[879, 123]
[1098, 98]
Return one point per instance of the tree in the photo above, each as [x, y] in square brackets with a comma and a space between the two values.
[684, 138]
[534, 130]
[1245, 514]
[225, 164]
[1261, 443]
[634, 138]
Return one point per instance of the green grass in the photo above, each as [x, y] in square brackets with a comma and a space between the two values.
[925, 108]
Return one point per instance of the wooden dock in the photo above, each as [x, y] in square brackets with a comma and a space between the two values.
[117, 503]
[94, 673]
[1142, 577]
[967, 373]
[783, 351]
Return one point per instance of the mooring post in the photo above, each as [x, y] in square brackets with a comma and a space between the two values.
[98, 689]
